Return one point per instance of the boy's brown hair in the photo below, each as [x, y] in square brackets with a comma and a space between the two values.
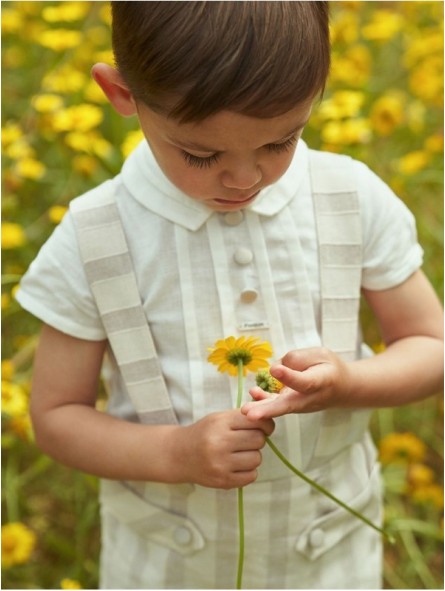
[189, 60]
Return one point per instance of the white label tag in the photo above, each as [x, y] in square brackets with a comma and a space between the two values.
[253, 325]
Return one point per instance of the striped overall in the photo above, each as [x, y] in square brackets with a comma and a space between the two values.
[186, 536]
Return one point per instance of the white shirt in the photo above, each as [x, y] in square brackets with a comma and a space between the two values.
[204, 275]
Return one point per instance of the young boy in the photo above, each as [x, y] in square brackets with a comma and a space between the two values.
[232, 230]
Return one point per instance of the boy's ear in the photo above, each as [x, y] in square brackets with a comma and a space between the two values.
[111, 82]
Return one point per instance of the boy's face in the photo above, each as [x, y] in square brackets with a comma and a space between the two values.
[226, 159]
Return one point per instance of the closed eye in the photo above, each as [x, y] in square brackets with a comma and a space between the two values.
[283, 146]
[199, 162]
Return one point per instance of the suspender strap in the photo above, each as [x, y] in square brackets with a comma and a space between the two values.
[110, 273]
[340, 251]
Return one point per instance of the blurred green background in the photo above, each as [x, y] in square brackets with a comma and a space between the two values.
[383, 105]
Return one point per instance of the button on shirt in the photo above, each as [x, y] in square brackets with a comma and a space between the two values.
[205, 275]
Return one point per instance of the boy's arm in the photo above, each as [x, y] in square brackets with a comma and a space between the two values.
[221, 450]
[411, 367]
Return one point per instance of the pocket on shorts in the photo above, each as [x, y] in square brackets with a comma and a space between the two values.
[149, 521]
[329, 529]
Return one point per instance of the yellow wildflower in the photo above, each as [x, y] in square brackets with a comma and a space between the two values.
[66, 11]
[345, 29]
[47, 103]
[14, 399]
[420, 475]
[12, 21]
[384, 25]
[78, 117]
[56, 213]
[434, 143]
[401, 447]
[426, 80]
[13, 236]
[11, 133]
[70, 584]
[343, 103]
[350, 131]
[267, 382]
[8, 369]
[429, 494]
[19, 150]
[18, 543]
[352, 66]
[387, 114]
[30, 168]
[22, 426]
[64, 80]
[89, 142]
[60, 39]
[227, 353]
[413, 162]
[131, 140]
[84, 164]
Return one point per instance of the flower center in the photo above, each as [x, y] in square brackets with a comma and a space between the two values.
[234, 356]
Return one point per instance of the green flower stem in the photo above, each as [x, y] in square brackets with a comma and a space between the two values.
[239, 576]
[325, 492]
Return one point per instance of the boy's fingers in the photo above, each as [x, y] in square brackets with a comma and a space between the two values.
[305, 381]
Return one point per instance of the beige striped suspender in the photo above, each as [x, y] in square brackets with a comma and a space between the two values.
[338, 222]
[109, 270]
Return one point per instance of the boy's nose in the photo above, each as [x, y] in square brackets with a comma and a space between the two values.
[242, 176]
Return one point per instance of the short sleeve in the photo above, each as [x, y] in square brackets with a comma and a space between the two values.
[391, 252]
[55, 288]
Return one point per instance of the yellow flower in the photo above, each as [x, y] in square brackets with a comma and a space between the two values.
[267, 382]
[79, 117]
[84, 164]
[420, 475]
[227, 353]
[60, 39]
[131, 140]
[13, 236]
[387, 114]
[350, 131]
[11, 133]
[434, 143]
[384, 25]
[47, 103]
[352, 66]
[30, 168]
[64, 80]
[343, 103]
[8, 369]
[56, 213]
[22, 426]
[14, 399]
[413, 162]
[401, 447]
[70, 584]
[431, 493]
[18, 542]
[66, 11]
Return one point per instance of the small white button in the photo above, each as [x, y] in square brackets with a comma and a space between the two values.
[249, 295]
[182, 535]
[316, 538]
[234, 218]
[243, 256]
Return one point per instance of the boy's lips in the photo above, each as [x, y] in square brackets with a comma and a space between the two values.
[237, 201]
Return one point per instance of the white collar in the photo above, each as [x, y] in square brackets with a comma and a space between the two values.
[144, 179]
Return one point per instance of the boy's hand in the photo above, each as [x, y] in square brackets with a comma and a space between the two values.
[314, 379]
[222, 450]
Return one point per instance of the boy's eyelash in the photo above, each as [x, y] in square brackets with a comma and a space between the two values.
[199, 162]
[284, 146]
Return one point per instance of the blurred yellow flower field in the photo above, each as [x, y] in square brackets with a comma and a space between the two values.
[383, 105]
